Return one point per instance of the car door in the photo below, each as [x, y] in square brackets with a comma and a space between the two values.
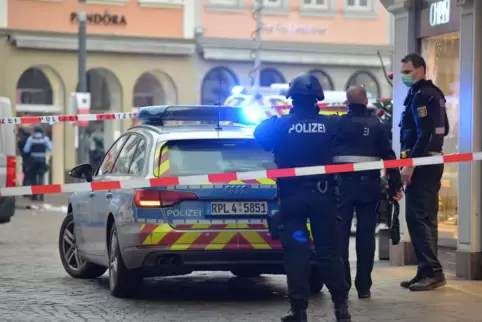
[95, 207]
[112, 201]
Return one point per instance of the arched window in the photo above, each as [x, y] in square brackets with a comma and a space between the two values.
[324, 78]
[270, 76]
[217, 85]
[368, 81]
[33, 87]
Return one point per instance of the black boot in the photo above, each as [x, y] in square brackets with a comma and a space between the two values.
[406, 284]
[429, 283]
[295, 315]
[341, 311]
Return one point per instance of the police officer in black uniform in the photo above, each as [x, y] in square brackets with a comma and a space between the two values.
[361, 138]
[424, 125]
[37, 146]
[301, 139]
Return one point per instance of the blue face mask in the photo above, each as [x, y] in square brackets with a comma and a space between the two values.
[408, 80]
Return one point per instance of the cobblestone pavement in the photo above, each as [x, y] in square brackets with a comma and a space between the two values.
[34, 287]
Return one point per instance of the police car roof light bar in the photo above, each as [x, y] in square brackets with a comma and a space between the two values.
[158, 115]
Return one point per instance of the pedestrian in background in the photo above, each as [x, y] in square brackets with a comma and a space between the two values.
[302, 139]
[361, 138]
[424, 125]
[37, 146]
[23, 134]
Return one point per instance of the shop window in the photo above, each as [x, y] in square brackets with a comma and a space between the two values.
[441, 54]
[33, 87]
[368, 81]
[217, 86]
[324, 78]
[270, 76]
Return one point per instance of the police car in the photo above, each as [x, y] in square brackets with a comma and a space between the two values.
[175, 230]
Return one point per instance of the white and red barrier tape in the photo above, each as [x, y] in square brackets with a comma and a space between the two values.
[227, 177]
[67, 118]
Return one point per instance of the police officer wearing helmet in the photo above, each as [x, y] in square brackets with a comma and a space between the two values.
[424, 125]
[302, 139]
[37, 146]
[361, 138]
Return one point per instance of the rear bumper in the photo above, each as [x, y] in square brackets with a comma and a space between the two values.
[7, 209]
[156, 262]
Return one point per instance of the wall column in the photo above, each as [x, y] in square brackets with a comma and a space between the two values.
[469, 246]
[405, 42]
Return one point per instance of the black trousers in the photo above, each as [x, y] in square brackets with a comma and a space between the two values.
[422, 217]
[360, 194]
[37, 168]
[297, 206]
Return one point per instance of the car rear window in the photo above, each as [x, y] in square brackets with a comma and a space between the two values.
[194, 157]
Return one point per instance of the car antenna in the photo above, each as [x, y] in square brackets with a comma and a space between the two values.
[218, 123]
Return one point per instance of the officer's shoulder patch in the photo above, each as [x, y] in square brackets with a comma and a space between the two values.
[422, 111]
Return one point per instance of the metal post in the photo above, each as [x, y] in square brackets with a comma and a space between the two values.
[255, 72]
[82, 151]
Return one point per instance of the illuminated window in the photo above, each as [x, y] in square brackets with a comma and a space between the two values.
[441, 54]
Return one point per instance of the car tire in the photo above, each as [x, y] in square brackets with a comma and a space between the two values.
[122, 281]
[316, 280]
[70, 256]
[245, 274]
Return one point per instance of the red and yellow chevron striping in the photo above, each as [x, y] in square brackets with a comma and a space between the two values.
[207, 237]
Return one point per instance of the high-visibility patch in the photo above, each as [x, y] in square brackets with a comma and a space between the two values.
[161, 163]
[422, 111]
[208, 237]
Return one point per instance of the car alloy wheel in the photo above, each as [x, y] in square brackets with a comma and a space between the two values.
[113, 262]
[69, 248]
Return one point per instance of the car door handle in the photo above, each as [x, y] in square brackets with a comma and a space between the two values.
[92, 194]
[108, 195]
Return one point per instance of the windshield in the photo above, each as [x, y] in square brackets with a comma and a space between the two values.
[194, 157]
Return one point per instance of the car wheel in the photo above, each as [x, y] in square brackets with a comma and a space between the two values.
[70, 256]
[316, 280]
[122, 281]
[245, 274]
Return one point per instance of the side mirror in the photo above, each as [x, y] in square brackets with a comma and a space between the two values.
[82, 171]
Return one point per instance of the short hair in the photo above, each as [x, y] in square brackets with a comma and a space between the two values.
[416, 60]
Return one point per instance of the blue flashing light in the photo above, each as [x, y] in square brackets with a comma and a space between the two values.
[237, 90]
[158, 115]
[253, 115]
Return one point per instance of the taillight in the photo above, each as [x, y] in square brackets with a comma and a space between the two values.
[161, 198]
[11, 172]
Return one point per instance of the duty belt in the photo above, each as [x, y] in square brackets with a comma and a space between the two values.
[353, 159]
[405, 153]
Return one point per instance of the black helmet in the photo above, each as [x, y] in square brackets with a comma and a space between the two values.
[306, 84]
[38, 128]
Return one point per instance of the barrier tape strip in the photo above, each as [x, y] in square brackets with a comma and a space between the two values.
[232, 176]
[49, 119]
[67, 118]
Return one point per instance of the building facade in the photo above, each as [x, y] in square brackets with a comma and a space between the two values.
[140, 52]
[337, 40]
[448, 33]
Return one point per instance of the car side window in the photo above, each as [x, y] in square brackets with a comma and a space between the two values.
[125, 156]
[111, 156]
[139, 158]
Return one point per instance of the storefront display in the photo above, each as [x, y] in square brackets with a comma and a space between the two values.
[441, 54]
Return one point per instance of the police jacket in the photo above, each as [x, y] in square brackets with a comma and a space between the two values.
[362, 138]
[424, 122]
[37, 145]
[300, 139]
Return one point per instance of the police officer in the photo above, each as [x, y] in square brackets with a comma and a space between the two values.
[361, 138]
[424, 125]
[23, 134]
[37, 146]
[301, 139]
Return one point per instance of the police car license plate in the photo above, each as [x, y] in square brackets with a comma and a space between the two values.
[238, 208]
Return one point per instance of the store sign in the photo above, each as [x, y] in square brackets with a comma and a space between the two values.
[100, 19]
[440, 13]
[294, 29]
[437, 17]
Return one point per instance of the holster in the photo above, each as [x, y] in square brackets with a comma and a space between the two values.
[274, 225]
